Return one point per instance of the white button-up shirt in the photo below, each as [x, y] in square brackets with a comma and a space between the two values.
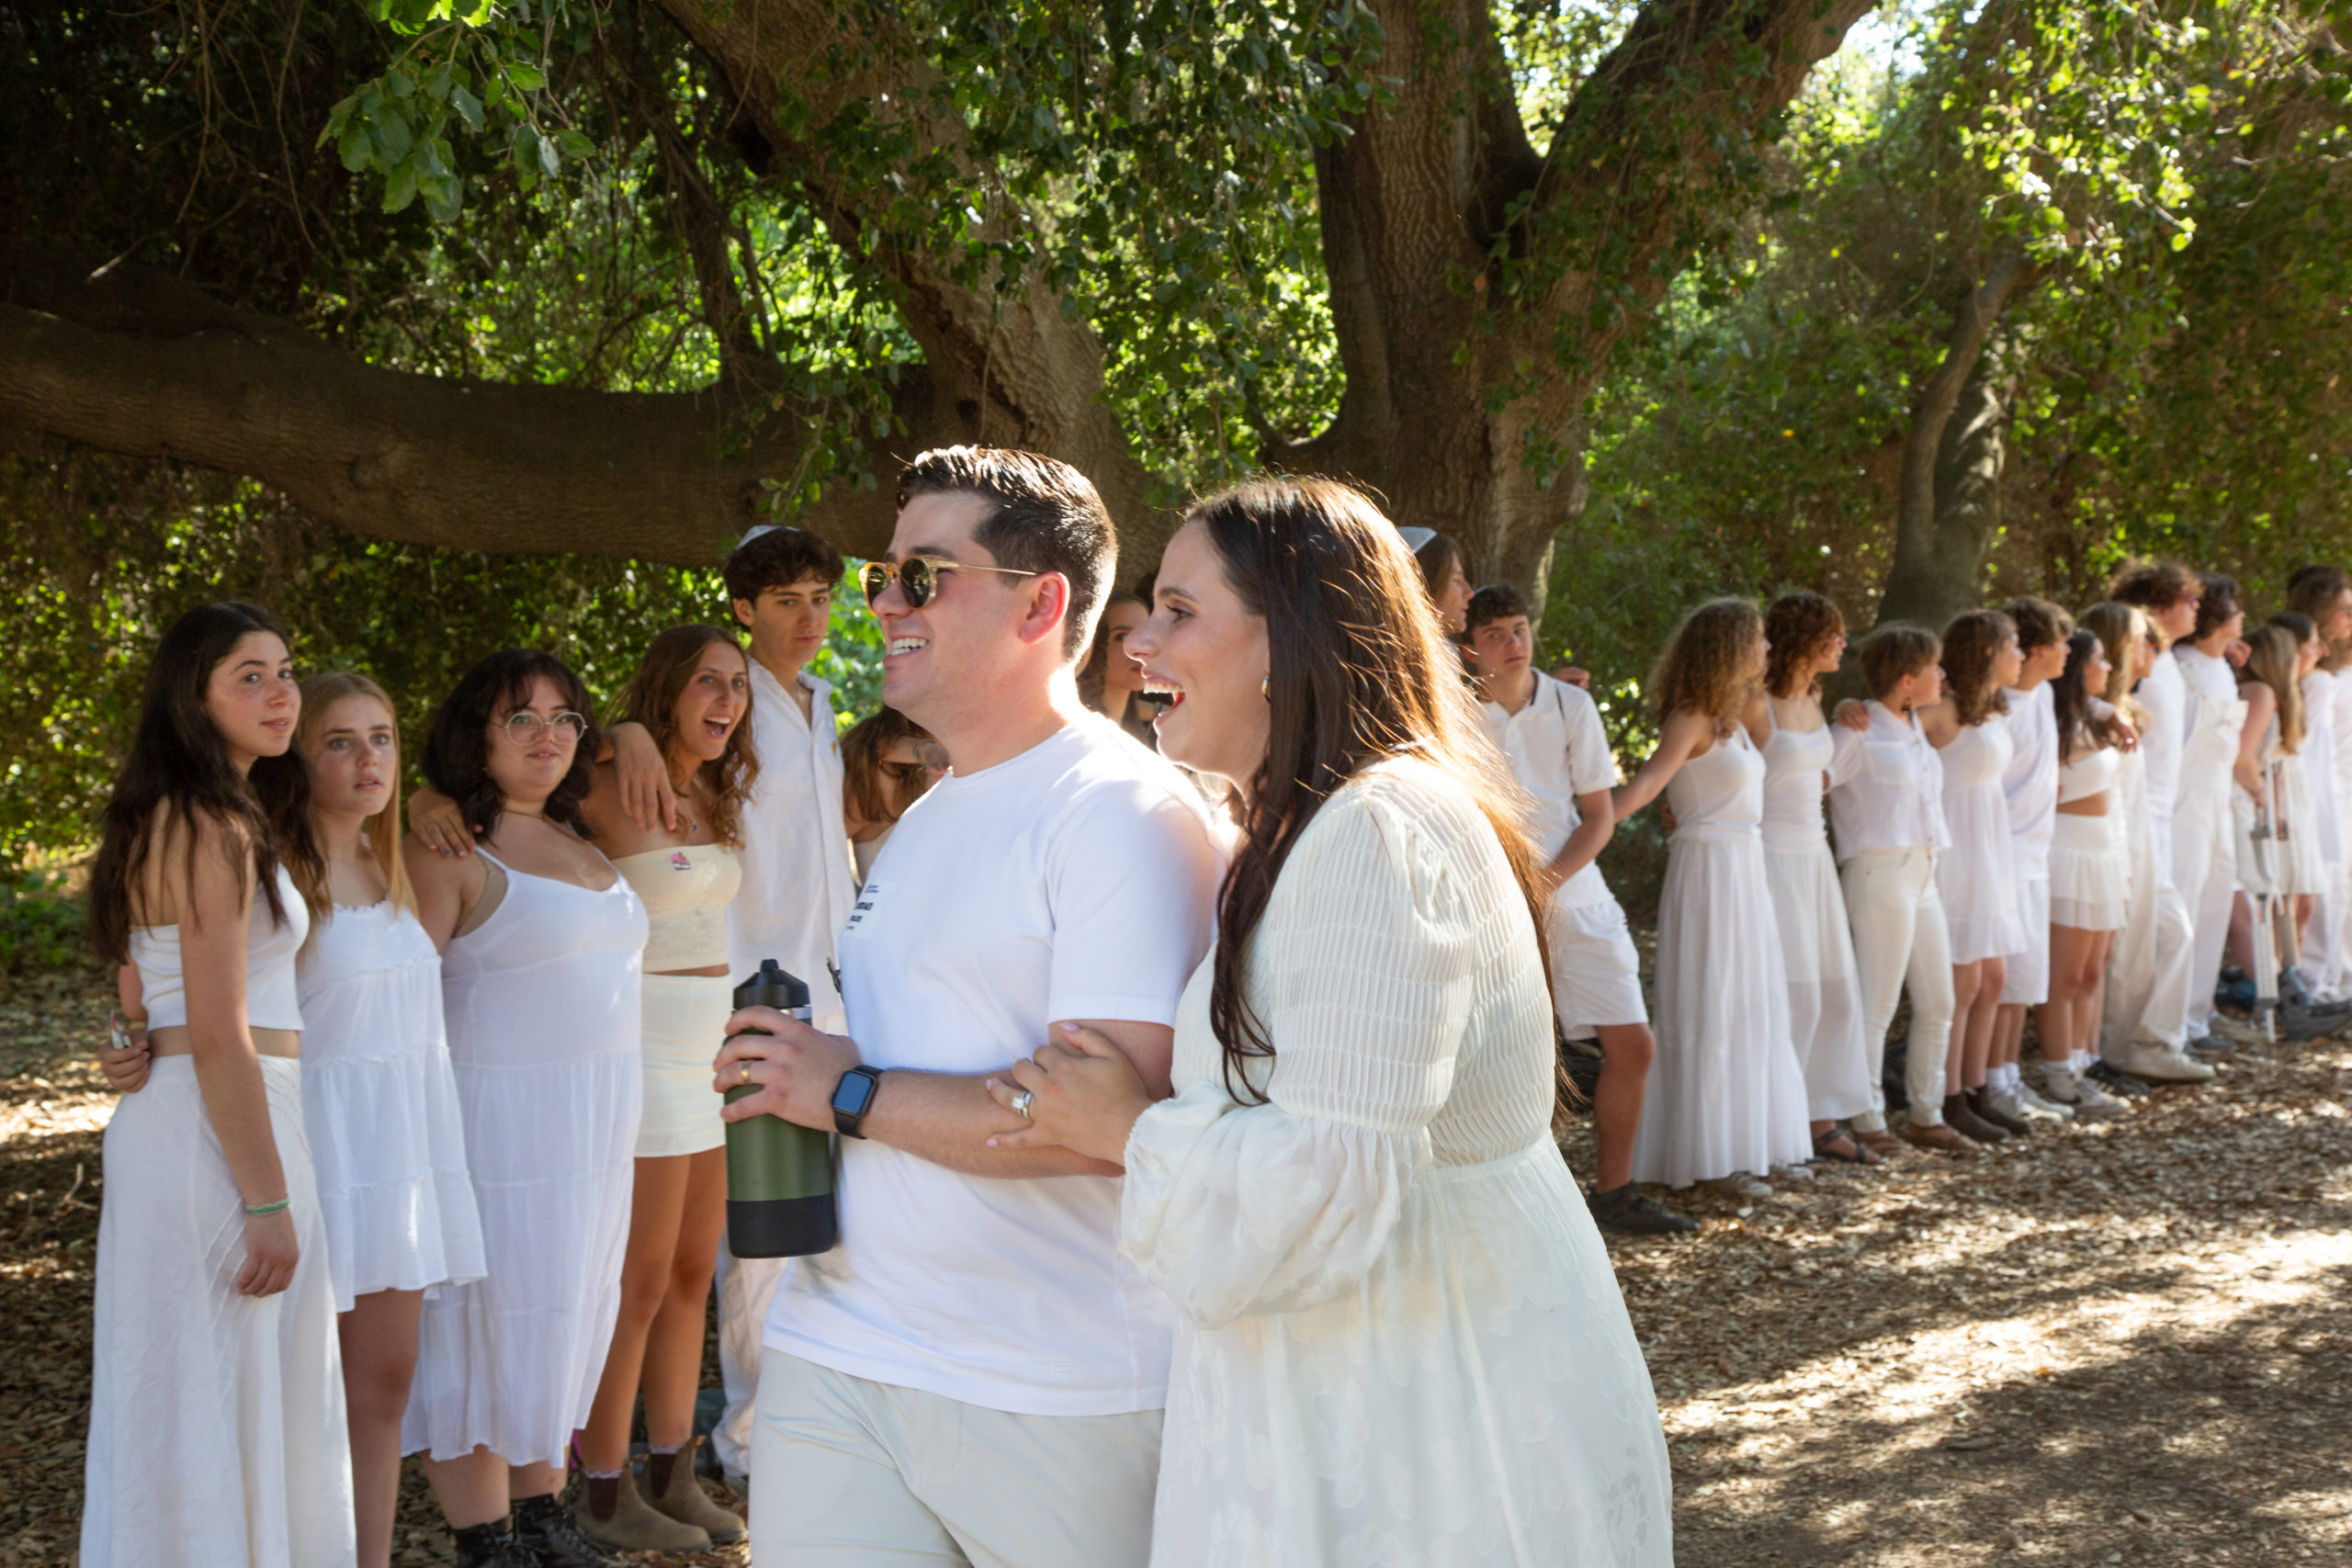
[2164, 694]
[1557, 751]
[1886, 787]
[797, 876]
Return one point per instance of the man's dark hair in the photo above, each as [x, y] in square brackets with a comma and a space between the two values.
[779, 558]
[2217, 601]
[1045, 517]
[2040, 623]
[2153, 585]
[1495, 602]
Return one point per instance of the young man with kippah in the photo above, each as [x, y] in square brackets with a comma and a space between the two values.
[1551, 735]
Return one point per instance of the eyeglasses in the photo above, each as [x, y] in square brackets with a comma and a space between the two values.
[918, 577]
[525, 728]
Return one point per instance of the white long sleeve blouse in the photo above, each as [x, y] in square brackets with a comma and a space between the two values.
[1399, 1334]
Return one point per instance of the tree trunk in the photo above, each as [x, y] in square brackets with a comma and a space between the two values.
[1477, 287]
[1948, 508]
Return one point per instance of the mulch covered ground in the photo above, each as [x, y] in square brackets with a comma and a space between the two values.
[2127, 1344]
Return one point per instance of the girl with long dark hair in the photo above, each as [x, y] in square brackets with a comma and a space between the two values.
[1807, 637]
[1354, 1199]
[217, 1430]
[1727, 1100]
[1108, 681]
[2090, 869]
[542, 943]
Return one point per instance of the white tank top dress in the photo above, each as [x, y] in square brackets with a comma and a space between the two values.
[379, 1104]
[542, 1002]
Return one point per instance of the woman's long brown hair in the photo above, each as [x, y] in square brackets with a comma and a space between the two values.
[650, 698]
[1361, 671]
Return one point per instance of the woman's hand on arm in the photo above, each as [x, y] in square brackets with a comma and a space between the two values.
[433, 818]
[215, 910]
[646, 796]
[1083, 1094]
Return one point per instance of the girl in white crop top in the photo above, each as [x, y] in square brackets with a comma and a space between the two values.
[2090, 866]
[216, 1430]
[691, 695]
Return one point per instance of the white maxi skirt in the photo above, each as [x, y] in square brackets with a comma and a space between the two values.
[1824, 986]
[1726, 1093]
[217, 1428]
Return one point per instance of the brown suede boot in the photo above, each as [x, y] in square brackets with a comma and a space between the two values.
[617, 1517]
[671, 1479]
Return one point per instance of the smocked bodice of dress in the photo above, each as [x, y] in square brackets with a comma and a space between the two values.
[1720, 792]
[1977, 758]
[1794, 763]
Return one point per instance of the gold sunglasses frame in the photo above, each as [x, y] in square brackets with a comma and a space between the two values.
[889, 572]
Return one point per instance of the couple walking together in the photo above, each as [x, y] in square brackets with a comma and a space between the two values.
[1346, 1305]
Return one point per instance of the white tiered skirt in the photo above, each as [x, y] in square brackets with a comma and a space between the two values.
[1726, 1093]
[2091, 872]
[217, 1430]
[511, 1362]
[1825, 987]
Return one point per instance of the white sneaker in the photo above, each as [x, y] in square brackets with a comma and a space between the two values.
[2023, 1101]
[2158, 1064]
[1793, 1172]
[2090, 1102]
[1741, 1185]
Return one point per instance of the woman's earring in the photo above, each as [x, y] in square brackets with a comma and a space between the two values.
[1261, 688]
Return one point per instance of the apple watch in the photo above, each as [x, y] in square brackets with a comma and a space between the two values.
[853, 1097]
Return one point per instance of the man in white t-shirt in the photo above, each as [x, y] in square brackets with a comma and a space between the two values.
[1551, 735]
[975, 1373]
[2144, 1030]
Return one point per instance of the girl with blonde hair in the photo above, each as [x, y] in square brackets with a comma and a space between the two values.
[1727, 1099]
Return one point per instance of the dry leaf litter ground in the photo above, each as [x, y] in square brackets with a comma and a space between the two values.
[2126, 1344]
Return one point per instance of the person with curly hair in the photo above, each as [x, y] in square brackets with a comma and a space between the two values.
[1727, 1100]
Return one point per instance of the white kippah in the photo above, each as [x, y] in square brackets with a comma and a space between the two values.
[755, 531]
[1416, 537]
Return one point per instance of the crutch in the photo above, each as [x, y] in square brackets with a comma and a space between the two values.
[2288, 939]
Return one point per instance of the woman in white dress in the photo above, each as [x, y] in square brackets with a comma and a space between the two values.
[379, 1104]
[1727, 1098]
[216, 1434]
[1398, 1337]
[2090, 867]
[2281, 652]
[1807, 636]
[1977, 876]
[2323, 595]
[541, 942]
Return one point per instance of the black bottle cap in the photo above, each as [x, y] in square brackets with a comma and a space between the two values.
[772, 986]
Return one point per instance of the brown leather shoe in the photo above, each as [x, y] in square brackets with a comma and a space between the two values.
[1940, 1139]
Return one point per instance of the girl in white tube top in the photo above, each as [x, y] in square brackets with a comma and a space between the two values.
[2090, 864]
[217, 1430]
[692, 695]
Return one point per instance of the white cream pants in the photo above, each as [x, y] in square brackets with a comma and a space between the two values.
[2148, 975]
[2205, 870]
[851, 1473]
[1899, 938]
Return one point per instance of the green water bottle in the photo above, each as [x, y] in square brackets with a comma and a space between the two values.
[779, 1176]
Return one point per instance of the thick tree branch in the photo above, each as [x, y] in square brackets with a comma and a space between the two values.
[1004, 359]
[139, 363]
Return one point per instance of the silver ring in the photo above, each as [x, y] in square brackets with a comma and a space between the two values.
[1021, 1103]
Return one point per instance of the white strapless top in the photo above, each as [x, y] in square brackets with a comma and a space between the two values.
[686, 893]
[270, 998]
[2091, 774]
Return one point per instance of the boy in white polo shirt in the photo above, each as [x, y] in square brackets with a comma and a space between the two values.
[974, 1374]
[1551, 735]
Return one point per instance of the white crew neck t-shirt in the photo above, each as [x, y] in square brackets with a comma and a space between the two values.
[798, 875]
[1076, 880]
[1557, 751]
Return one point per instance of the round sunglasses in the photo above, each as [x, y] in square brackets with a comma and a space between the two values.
[918, 577]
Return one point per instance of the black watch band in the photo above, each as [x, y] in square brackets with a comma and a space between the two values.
[853, 1097]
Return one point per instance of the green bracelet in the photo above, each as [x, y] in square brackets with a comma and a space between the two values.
[258, 1209]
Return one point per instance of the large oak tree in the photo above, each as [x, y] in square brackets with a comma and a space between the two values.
[1040, 225]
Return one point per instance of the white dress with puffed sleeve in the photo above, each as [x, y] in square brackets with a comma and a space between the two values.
[1398, 1337]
